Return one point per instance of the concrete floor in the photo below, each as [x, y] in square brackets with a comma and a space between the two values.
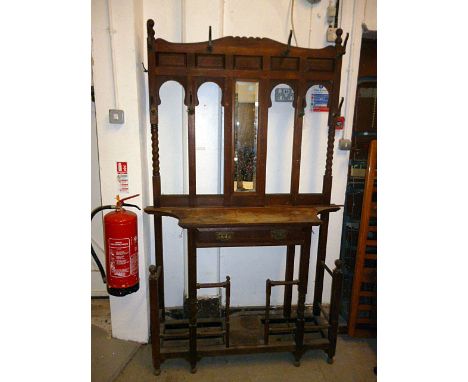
[116, 360]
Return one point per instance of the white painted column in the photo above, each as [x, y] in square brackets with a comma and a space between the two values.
[129, 314]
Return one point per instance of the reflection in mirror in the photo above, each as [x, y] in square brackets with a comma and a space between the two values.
[280, 140]
[245, 136]
[314, 140]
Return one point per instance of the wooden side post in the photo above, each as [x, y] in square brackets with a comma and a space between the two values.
[193, 303]
[288, 276]
[302, 289]
[156, 177]
[334, 309]
[328, 177]
[266, 326]
[155, 273]
[228, 304]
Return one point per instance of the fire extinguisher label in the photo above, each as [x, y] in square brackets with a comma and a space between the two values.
[134, 258]
[122, 262]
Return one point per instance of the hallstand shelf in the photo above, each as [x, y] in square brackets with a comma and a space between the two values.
[245, 215]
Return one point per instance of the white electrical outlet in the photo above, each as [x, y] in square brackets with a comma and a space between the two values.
[331, 34]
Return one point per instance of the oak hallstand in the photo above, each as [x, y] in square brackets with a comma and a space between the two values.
[245, 68]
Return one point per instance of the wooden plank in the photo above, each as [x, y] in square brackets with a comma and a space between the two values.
[366, 307]
[185, 335]
[216, 350]
[368, 275]
[365, 293]
[362, 274]
[365, 321]
[288, 276]
[204, 217]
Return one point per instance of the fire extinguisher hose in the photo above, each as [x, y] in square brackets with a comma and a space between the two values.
[93, 252]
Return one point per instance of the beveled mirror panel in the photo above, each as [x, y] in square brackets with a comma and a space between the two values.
[245, 136]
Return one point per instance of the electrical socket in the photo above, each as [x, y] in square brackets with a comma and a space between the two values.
[116, 116]
[331, 34]
[344, 144]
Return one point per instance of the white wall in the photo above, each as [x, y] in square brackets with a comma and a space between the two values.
[188, 21]
[98, 288]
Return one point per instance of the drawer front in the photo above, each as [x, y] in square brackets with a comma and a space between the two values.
[238, 237]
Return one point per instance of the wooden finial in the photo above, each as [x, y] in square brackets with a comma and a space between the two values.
[338, 263]
[338, 39]
[150, 28]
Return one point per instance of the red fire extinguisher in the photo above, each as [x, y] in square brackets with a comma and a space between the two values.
[121, 248]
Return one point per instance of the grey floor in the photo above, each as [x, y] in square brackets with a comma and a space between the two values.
[116, 360]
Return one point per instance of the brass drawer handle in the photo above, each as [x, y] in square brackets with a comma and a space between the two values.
[279, 234]
[224, 236]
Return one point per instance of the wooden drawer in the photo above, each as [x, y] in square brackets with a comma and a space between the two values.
[238, 237]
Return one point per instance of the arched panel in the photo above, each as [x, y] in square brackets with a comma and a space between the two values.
[162, 80]
[172, 139]
[209, 139]
[200, 81]
[280, 140]
[314, 139]
[290, 83]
